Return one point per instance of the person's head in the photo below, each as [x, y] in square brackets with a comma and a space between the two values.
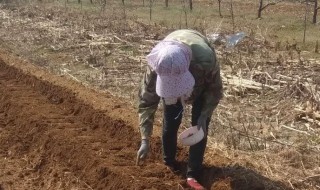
[171, 61]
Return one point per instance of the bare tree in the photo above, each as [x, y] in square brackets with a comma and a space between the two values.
[262, 7]
[190, 5]
[150, 8]
[124, 10]
[185, 12]
[103, 5]
[315, 12]
[305, 23]
[232, 15]
[219, 1]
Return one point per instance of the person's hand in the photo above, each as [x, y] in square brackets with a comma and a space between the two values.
[143, 150]
[202, 123]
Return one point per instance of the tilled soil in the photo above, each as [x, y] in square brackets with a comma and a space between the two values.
[58, 134]
[51, 140]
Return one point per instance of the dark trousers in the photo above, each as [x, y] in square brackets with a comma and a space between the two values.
[172, 117]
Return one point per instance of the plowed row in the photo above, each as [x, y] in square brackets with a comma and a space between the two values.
[51, 140]
[58, 134]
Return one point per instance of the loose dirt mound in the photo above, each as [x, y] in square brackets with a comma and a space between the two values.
[266, 129]
[52, 139]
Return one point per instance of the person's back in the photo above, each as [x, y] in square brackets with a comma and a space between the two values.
[203, 65]
[202, 53]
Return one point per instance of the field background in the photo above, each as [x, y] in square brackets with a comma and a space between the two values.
[269, 119]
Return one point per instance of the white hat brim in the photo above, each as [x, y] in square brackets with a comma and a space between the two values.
[174, 86]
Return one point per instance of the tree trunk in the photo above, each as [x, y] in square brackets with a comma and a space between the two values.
[190, 5]
[219, 1]
[150, 11]
[79, 1]
[315, 12]
[104, 4]
[232, 16]
[305, 23]
[260, 8]
[167, 3]
[91, 1]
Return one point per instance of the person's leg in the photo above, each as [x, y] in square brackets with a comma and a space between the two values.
[196, 152]
[172, 116]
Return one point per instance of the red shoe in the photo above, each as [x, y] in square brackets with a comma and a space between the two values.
[194, 184]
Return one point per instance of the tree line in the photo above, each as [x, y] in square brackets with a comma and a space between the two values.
[262, 5]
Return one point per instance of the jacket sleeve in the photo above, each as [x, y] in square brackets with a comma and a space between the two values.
[148, 103]
[213, 90]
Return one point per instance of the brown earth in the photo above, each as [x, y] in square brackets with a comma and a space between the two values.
[50, 139]
[248, 146]
[58, 134]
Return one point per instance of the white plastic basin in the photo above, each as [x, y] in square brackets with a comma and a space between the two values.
[191, 136]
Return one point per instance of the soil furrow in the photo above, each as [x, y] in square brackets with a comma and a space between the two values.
[58, 134]
[51, 135]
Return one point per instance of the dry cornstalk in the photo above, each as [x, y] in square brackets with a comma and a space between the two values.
[245, 83]
[310, 113]
[311, 120]
[297, 130]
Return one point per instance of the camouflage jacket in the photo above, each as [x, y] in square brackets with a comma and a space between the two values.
[204, 68]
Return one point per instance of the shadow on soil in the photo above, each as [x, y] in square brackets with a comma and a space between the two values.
[234, 177]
